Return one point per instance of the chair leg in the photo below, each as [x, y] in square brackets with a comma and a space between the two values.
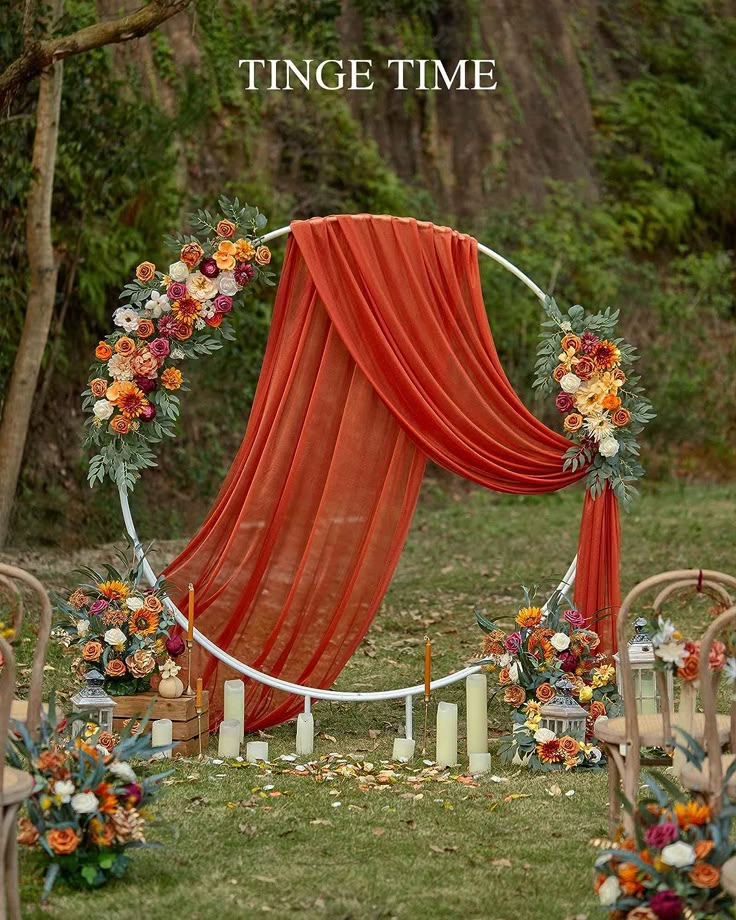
[11, 867]
[4, 831]
[614, 793]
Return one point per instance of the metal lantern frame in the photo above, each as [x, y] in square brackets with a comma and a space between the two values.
[642, 662]
[93, 705]
[563, 715]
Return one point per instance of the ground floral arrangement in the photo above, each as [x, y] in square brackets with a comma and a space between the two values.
[165, 318]
[89, 806]
[528, 663]
[119, 628]
[604, 407]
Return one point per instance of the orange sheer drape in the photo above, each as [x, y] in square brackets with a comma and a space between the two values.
[379, 356]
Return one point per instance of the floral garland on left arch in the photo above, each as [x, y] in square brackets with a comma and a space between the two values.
[165, 318]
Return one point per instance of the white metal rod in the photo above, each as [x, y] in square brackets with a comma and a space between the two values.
[409, 719]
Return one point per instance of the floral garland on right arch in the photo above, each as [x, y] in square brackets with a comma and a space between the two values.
[603, 405]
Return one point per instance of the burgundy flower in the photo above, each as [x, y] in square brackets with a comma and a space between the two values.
[564, 402]
[159, 347]
[167, 326]
[175, 646]
[590, 343]
[666, 905]
[209, 268]
[99, 606]
[574, 618]
[176, 290]
[133, 792]
[512, 642]
[148, 413]
[243, 273]
[659, 835]
[223, 303]
[568, 661]
[147, 384]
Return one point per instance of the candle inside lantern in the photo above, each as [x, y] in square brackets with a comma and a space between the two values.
[479, 762]
[305, 734]
[476, 697]
[403, 749]
[234, 691]
[446, 735]
[427, 667]
[161, 735]
[190, 622]
[256, 750]
[230, 737]
[198, 697]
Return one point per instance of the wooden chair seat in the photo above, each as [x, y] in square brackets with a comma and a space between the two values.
[651, 733]
[19, 710]
[699, 780]
[17, 785]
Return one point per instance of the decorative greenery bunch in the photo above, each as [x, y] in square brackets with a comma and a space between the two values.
[119, 627]
[165, 318]
[528, 663]
[604, 406]
[88, 807]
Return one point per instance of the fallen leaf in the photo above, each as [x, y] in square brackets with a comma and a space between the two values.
[379, 831]
[328, 737]
[570, 793]
[436, 849]
[321, 821]
[501, 863]
[516, 795]
[411, 824]
[554, 790]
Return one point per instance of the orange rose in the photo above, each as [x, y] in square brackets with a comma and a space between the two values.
[107, 741]
[183, 331]
[171, 378]
[503, 677]
[569, 746]
[225, 228]
[115, 668]
[92, 650]
[103, 351]
[225, 256]
[98, 387]
[62, 841]
[120, 424]
[611, 402]
[689, 669]
[571, 341]
[244, 252]
[263, 255]
[27, 832]
[214, 321]
[618, 375]
[145, 328]
[514, 695]
[703, 848]
[545, 692]
[153, 604]
[559, 372]
[597, 709]
[573, 422]
[191, 254]
[703, 875]
[145, 271]
[125, 346]
[621, 417]
[585, 368]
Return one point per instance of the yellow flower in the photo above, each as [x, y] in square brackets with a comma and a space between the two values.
[46, 802]
[114, 590]
[589, 397]
[529, 616]
[586, 693]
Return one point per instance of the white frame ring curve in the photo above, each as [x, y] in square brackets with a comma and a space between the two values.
[310, 693]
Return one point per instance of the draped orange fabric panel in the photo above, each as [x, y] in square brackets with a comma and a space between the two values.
[379, 356]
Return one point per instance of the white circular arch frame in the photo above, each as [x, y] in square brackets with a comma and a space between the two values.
[316, 693]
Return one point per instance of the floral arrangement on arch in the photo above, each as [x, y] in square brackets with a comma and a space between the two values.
[119, 627]
[681, 862]
[604, 407]
[527, 664]
[89, 807]
[165, 318]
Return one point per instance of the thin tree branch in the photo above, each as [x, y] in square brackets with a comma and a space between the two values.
[29, 21]
[40, 55]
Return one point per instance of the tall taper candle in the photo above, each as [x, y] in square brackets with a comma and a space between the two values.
[446, 735]
[198, 698]
[476, 698]
[190, 623]
[427, 667]
[234, 691]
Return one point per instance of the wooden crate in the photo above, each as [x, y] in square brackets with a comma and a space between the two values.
[182, 713]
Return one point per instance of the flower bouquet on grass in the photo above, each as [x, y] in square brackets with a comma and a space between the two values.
[545, 648]
[681, 862]
[88, 808]
[119, 627]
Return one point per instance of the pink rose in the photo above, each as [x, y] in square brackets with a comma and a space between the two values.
[176, 290]
[99, 606]
[574, 618]
[717, 657]
[564, 402]
[159, 347]
[223, 303]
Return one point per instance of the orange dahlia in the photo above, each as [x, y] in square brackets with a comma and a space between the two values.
[186, 310]
[144, 622]
[607, 354]
[171, 378]
[131, 400]
[549, 751]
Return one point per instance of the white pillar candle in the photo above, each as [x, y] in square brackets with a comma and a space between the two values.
[234, 691]
[161, 734]
[446, 735]
[305, 734]
[476, 697]
[229, 741]
[256, 750]
[479, 762]
[403, 749]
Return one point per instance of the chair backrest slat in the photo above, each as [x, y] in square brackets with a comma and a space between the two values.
[7, 691]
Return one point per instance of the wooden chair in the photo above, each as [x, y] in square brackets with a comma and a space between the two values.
[15, 786]
[633, 731]
[708, 779]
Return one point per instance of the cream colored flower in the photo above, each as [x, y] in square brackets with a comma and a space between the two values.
[560, 641]
[179, 271]
[200, 287]
[85, 803]
[599, 427]
[102, 409]
[608, 447]
[115, 637]
[678, 854]
[226, 284]
[570, 383]
[543, 735]
[119, 367]
[609, 892]
[134, 602]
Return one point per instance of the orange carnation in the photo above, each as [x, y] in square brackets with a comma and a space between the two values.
[244, 251]
[171, 378]
[621, 417]
[145, 271]
[514, 695]
[125, 346]
[629, 877]
[571, 341]
[703, 875]
[573, 422]
[103, 351]
[98, 386]
[191, 254]
[92, 650]
[611, 402]
[120, 424]
[51, 762]
[63, 840]
[545, 692]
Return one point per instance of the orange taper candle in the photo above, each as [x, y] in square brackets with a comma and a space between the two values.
[198, 699]
[190, 624]
[427, 665]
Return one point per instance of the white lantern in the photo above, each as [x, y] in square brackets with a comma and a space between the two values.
[92, 704]
[641, 661]
[563, 715]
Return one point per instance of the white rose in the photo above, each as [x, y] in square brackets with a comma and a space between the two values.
[64, 789]
[102, 409]
[672, 652]
[560, 641]
[570, 383]
[504, 660]
[514, 673]
[179, 271]
[85, 803]
[678, 854]
[595, 753]
[123, 771]
[134, 603]
[82, 627]
[608, 447]
[115, 636]
[226, 284]
[200, 287]
[609, 892]
[543, 735]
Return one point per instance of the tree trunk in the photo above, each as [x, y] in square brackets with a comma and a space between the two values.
[41, 292]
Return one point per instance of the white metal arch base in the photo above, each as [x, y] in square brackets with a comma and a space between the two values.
[316, 693]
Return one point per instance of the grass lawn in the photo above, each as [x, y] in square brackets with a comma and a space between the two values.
[241, 842]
